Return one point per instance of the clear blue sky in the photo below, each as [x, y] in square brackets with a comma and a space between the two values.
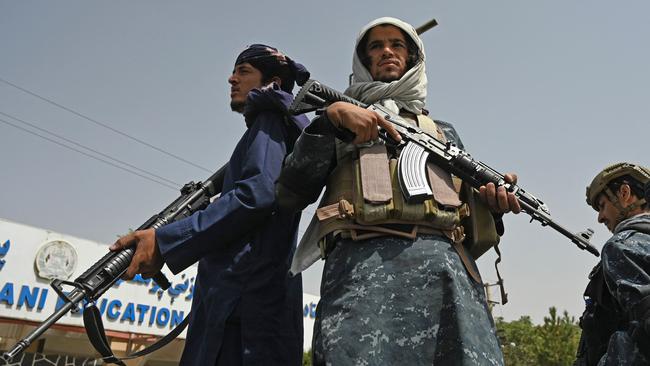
[552, 90]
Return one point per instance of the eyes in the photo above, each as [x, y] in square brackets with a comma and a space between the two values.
[395, 44]
[241, 71]
[601, 204]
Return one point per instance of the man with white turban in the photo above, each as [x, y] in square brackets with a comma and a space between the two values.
[398, 287]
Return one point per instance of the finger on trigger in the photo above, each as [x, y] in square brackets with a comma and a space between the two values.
[390, 129]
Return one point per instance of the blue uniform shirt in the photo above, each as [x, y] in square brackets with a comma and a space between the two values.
[244, 244]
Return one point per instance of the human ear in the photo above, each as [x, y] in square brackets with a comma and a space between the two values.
[625, 192]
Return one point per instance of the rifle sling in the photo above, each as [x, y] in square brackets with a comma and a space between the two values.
[97, 336]
[460, 249]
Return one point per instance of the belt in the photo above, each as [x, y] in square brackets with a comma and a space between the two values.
[359, 232]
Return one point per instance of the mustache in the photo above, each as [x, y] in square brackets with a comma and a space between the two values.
[389, 61]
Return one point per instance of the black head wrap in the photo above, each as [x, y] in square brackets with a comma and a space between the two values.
[272, 62]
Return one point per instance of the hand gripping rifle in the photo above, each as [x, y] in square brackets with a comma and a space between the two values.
[93, 283]
[417, 147]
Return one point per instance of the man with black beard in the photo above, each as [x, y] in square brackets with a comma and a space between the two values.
[398, 286]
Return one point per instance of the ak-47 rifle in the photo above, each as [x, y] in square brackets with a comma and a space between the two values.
[93, 283]
[417, 147]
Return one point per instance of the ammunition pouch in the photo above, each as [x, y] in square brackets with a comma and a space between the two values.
[397, 210]
[480, 227]
[344, 207]
[364, 199]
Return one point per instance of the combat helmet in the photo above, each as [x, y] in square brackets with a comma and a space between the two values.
[600, 184]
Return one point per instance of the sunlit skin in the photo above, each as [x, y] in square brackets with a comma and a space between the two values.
[498, 199]
[609, 215]
[147, 259]
[388, 53]
[244, 78]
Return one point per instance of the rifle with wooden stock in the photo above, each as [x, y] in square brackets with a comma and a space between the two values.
[417, 147]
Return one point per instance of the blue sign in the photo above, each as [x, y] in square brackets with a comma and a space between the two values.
[34, 298]
[4, 248]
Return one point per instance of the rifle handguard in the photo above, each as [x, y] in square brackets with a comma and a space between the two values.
[314, 95]
[97, 279]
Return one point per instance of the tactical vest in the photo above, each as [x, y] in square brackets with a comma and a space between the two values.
[363, 198]
[601, 318]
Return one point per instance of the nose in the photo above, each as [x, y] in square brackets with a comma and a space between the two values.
[601, 216]
[388, 50]
[232, 80]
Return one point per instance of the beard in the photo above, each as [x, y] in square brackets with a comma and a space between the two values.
[237, 106]
[386, 79]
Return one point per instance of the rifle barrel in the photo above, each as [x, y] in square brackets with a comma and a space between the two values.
[19, 347]
[426, 26]
[314, 95]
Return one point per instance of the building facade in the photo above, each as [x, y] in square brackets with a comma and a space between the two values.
[135, 313]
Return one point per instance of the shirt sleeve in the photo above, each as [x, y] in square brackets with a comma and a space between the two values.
[232, 215]
[306, 169]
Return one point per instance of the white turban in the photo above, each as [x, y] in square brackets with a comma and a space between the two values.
[409, 92]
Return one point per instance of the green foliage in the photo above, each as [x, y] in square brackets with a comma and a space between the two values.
[306, 358]
[518, 341]
[553, 343]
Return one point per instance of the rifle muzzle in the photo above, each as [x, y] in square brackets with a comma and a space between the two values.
[15, 351]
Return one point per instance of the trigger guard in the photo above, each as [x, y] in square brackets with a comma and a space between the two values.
[388, 139]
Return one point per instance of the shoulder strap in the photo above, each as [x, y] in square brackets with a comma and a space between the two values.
[97, 336]
[429, 126]
[445, 190]
[638, 226]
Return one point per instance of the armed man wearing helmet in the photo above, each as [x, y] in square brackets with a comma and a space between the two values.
[616, 322]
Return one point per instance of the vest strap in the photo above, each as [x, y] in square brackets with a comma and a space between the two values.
[441, 183]
[460, 249]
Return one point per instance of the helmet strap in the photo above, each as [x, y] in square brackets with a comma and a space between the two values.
[622, 211]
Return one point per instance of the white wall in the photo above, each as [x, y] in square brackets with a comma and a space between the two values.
[130, 306]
